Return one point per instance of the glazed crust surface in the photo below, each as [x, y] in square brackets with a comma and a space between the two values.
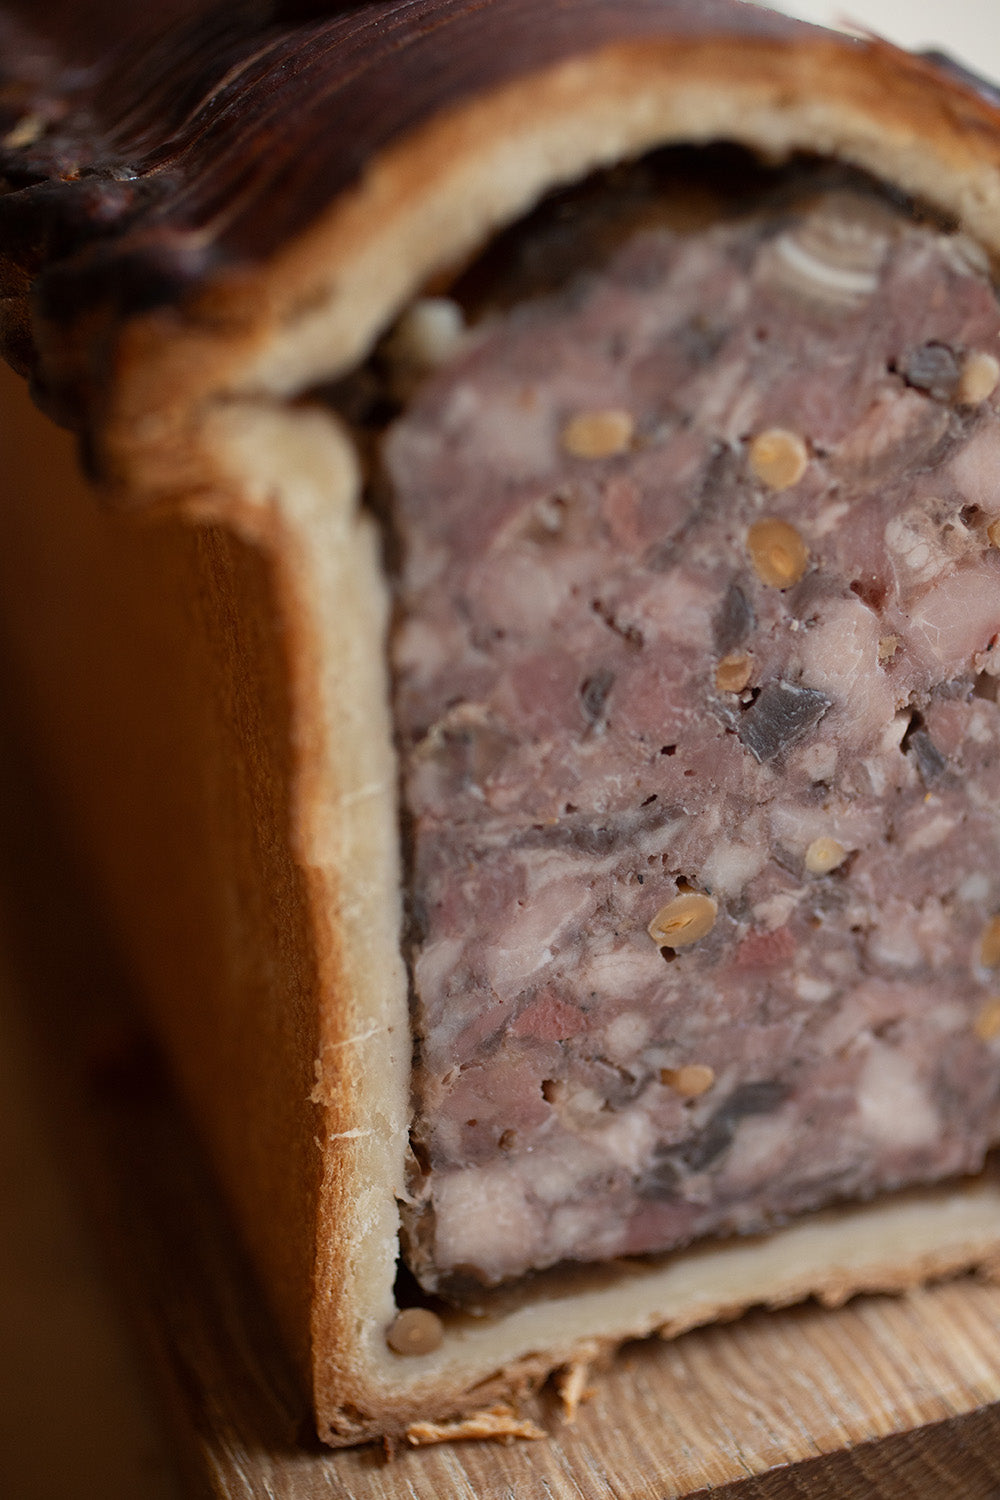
[155, 160]
[212, 208]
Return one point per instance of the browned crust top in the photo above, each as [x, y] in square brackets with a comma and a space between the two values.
[153, 150]
[147, 151]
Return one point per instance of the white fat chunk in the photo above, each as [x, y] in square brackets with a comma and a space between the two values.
[914, 543]
[817, 761]
[510, 431]
[479, 1212]
[840, 658]
[812, 991]
[576, 1224]
[627, 1139]
[951, 1017]
[975, 469]
[623, 971]
[553, 1176]
[956, 617]
[761, 1145]
[892, 1104]
[518, 586]
[625, 1036]
[931, 834]
[423, 650]
[435, 962]
[906, 937]
[529, 942]
[678, 609]
[974, 888]
[429, 333]
[730, 866]
[775, 911]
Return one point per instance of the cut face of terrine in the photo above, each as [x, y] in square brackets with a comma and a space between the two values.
[548, 799]
[696, 698]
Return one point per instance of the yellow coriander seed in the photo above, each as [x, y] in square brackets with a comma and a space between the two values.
[734, 672]
[823, 855]
[777, 552]
[887, 647]
[979, 378]
[690, 1080]
[598, 434]
[683, 921]
[987, 1023]
[993, 533]
[778, 458]
[415, 1330]
[989, 945]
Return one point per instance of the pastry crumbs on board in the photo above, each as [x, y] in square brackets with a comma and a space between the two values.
[598, 434]
[987, 1023]
[979, 378]
[777, 552]
[778, 458]
[684, 920]
[823, 855]
[689, 1081]
[494, 1423]
[571, 1385]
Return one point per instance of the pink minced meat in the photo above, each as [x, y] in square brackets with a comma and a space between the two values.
[571, 762]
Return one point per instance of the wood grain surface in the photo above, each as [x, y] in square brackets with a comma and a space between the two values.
[767, 1406]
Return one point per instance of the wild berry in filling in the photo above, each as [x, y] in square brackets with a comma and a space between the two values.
[696, 696]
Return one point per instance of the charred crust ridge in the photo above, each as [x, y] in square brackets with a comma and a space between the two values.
[148, 156]
[239, 123]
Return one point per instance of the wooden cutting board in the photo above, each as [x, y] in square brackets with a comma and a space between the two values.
[886, 1397]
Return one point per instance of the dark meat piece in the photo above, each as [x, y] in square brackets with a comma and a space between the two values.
[594, 693]
[918, 743]
[780, 716]
[734, 621]
[932, 368]
[749, 1099]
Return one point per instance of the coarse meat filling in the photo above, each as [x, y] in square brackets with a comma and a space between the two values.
[698, 596]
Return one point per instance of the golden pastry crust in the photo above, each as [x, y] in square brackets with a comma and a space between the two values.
[174, 318]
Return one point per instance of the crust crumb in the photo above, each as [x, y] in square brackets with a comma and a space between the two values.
[493, 1424]
[427, 335]
[571, 1385]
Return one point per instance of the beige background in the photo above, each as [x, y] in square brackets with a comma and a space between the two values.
[969, 29]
